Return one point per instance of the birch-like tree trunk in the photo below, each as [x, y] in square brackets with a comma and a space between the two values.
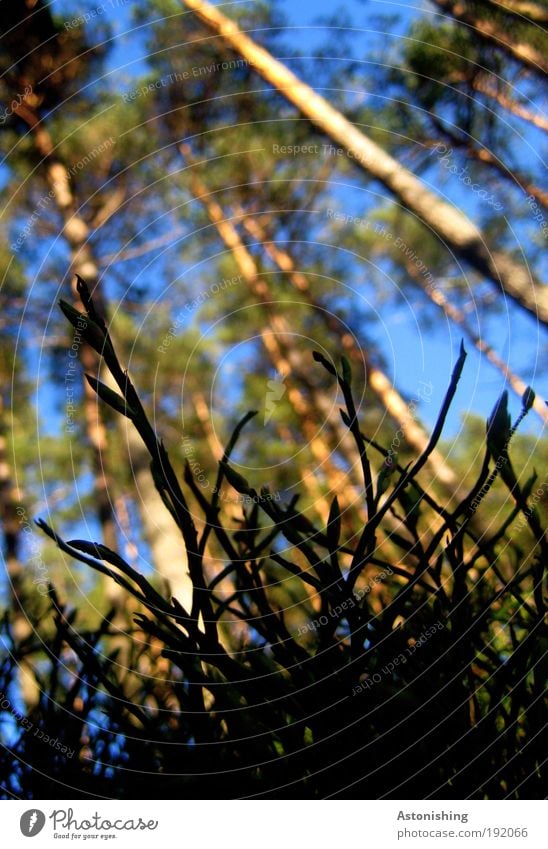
[10, 500]
[450, 224]
[536, 13]
[76, 233]
[286, 360]
[377, 380]
[163, 536]
[489, 29]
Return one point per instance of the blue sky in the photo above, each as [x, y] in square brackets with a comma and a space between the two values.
[413, 352]
[416, 354]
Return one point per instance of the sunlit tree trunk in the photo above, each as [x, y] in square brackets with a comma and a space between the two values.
[491, 88]
[159, 529]
[289, 361]
[524, 8]
[10, 500]
[451, 225]
[162, 535]
[14, 518]
[377, 380]
[286, 360]
[458, 316]
[482, 154]
[76, 233]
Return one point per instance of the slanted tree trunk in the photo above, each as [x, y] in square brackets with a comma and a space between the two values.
[536, 13]
[457, 315]
[14, 519]
[286, 360]
[289, 361]
[489, 29]
[489, 87]
[451, 225]
[477, 153]
[76, 232]
[10, 500]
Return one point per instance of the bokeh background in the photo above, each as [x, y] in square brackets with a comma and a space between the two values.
[228, 232]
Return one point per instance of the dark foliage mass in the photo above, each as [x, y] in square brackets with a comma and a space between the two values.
[417, 698]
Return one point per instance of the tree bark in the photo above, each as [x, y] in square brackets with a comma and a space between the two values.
[484, 86]
[451, 225]
[458, 317]
[489, 30]
[76, 232]
[285, 360]
[163, 536]
[536, 13]
[378, 381]
[478, 153]
[159, 529]
[13, 520]
[10, 500]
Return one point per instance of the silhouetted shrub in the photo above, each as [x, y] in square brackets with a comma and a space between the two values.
[410, 676]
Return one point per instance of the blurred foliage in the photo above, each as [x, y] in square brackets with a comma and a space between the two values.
[119, 691]
[343, 662]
